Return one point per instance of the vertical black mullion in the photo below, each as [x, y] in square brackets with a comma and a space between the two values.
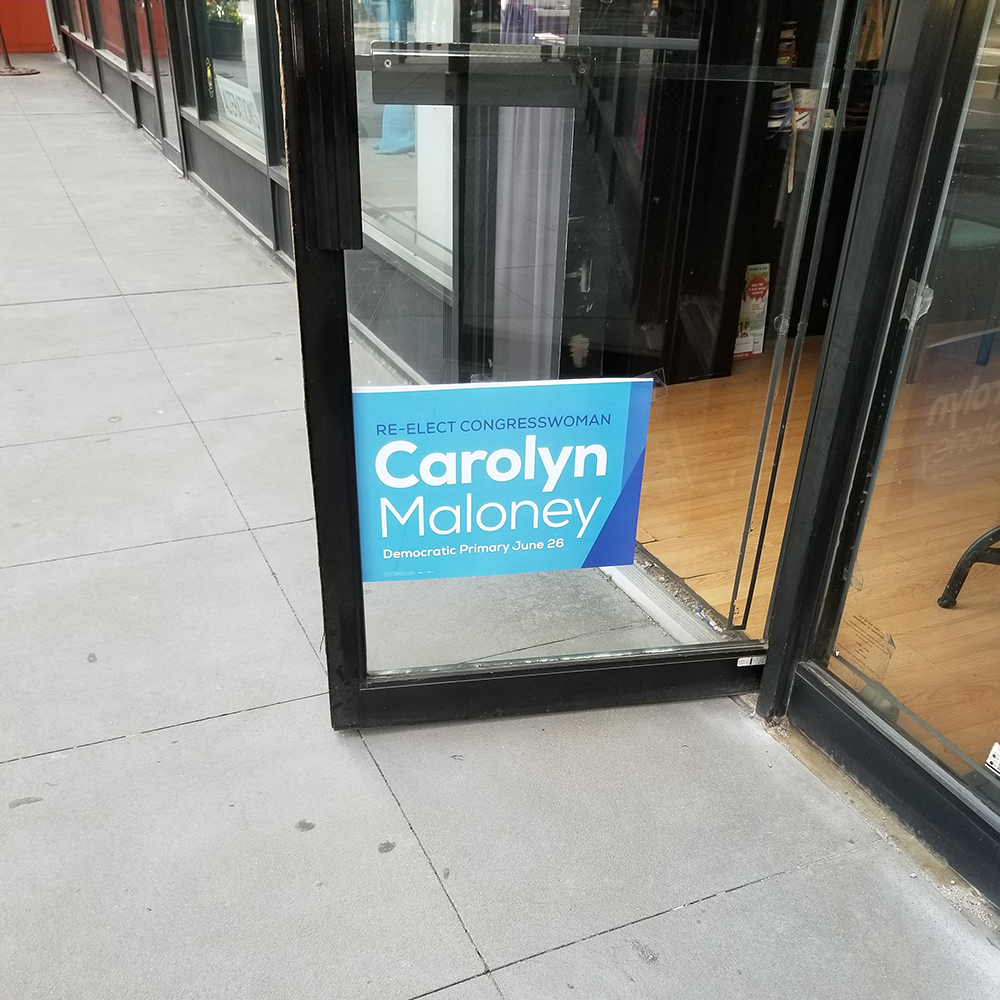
[267, 57]
[198, 36]
[470, 351]
[96, 24]
[901, 127]
[177, 48]
[323, 320]
[179, 38]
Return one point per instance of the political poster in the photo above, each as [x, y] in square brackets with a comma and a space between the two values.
[485, 478]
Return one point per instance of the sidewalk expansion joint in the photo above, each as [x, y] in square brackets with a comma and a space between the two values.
[427, 857]
[461, 982]
[681, 906]
[163, 729]
[140, 545]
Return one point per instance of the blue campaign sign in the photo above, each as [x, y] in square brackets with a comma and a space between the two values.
[489, 478]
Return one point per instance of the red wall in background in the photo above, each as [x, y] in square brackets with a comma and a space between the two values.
[25, 26]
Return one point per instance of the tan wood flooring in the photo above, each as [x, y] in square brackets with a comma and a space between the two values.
[938, 488]
[700, 456]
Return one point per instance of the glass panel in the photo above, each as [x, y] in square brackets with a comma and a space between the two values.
[83, 18]
[67, 15]
[918, 638]
[112, 31]
[159, 62]
[595, 191]
[232, 68]
[145, 55]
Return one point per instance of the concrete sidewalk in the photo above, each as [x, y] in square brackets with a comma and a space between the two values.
[180, 820]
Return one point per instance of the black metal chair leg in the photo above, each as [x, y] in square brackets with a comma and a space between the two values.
[985, 346]
[981, 550]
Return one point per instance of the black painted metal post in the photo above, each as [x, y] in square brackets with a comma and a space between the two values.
[317, 72]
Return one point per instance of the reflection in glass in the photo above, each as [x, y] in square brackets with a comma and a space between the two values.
[233, 68]
[405, 151]
[68, 16]
[82, 19]
[159, 62]
[112, 32]
[145, 55]
[916, 641]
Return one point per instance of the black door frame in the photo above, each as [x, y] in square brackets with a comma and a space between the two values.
[324, 182]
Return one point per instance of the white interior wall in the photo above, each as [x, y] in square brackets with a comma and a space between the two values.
[434, 22]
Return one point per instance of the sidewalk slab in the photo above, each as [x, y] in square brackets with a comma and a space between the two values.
[193, 267]
[122, 235]
[83, 277]
[481, 988]
[259, 856]
[290, 550]
[91, 494]
[554, 827]
[265, 462]
[104, 645]
[203, 316]
[854, 926]
[33, 242]
[236, 378]
[66, 329]
[72, 397]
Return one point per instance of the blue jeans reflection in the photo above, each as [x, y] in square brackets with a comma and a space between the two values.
[398, 132]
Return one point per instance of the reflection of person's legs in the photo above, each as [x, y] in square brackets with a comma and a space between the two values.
[397, 119]
[398, 135]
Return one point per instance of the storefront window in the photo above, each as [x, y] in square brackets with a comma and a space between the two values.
[112, 31]
[159, 62]
[67, 15]
[82, 19]
[232, 68]
[145, 55]
[919, 631]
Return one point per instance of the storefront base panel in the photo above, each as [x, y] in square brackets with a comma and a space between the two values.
[149, 117]
[117, 88]
[282, 219]
[174, 156]
[86, 64]
[244, 187]
[924, 796]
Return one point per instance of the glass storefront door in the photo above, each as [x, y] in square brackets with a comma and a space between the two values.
[586, 278]
[918, 629]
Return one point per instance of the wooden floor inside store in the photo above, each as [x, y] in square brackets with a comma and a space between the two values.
[700, 457]
[937, 490]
